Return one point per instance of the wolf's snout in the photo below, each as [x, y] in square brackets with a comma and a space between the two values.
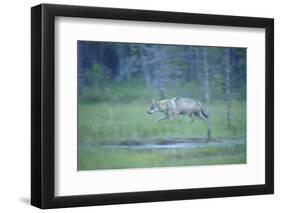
[148, 112]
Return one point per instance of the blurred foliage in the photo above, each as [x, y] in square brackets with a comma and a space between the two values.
[118, 71]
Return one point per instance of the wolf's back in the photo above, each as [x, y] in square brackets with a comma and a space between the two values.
[187, 103]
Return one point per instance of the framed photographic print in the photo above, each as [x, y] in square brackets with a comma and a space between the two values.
[139, 106]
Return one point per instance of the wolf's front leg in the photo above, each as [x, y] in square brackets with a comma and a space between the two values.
[166, 117]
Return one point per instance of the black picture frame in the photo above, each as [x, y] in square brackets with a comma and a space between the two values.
[43, 105]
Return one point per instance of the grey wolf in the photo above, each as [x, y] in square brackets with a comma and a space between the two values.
[173, 107]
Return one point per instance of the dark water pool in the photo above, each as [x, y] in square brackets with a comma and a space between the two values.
[172, 144]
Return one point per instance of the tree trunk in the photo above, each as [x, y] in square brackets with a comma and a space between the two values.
[228, 87]
[209, 131]
[206, 76]
[145, 67]
[206, 87]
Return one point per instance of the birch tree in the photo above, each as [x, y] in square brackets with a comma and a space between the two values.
[206, 76]
[206, 86]
[228, 87]
[154, 64]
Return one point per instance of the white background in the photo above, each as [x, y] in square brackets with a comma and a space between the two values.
[70, 182]
[15, 106]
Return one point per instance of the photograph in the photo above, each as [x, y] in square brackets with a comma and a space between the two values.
[139, 105]
[143, 105]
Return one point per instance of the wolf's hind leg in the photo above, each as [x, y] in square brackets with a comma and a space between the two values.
[191, 117]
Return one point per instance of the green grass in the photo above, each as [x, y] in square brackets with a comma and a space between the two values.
[107, 158]
[108, 123]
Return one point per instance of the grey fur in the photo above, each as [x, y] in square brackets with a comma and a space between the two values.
[173, 107]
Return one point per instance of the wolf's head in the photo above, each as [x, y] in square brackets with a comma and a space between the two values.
[153, 107]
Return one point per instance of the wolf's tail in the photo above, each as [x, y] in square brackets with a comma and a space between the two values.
[204, 114]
